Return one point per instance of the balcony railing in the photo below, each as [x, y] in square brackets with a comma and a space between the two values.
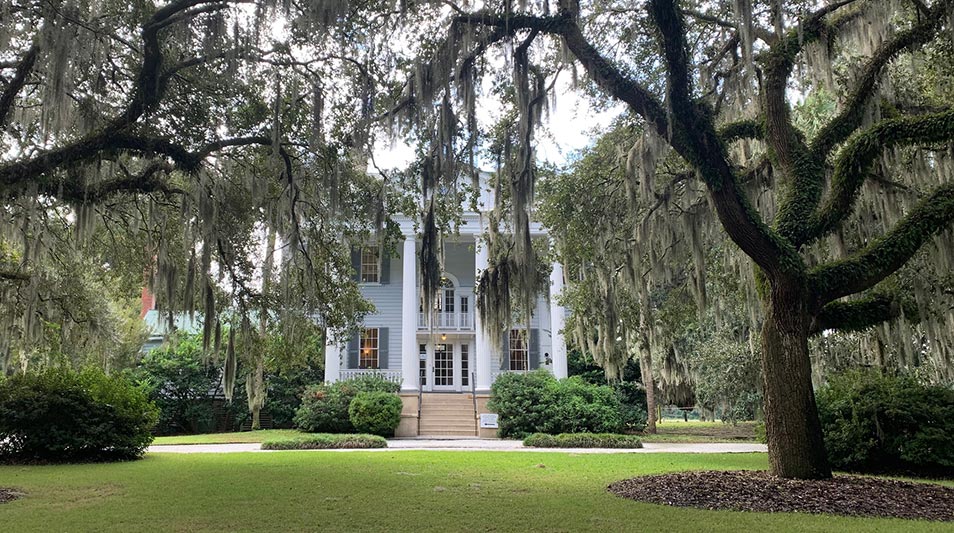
[388, 374]
[447, 321]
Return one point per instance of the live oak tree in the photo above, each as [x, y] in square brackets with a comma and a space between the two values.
[727, 77]
[184, 138]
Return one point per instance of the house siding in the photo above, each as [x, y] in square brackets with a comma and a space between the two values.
[386, 298]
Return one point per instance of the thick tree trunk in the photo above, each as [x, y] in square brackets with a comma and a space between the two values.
[795, 445]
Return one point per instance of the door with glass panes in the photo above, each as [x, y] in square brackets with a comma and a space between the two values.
[446, 366]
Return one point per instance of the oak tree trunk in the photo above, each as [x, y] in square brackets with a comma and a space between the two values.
[795, 445]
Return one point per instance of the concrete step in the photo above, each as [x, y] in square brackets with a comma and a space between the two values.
[447, 410]
[470, 433]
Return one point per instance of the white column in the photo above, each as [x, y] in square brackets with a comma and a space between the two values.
[410, 369]
[557, 322]
[332, 358]
[482, 348]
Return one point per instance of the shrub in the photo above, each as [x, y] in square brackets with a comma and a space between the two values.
[520, 401]
[325, 441]
[582, 440]
[537, 402]
[575, 406]
[632, 398]
[876, 423]
[61, 415]
[181, 383]
[378, 413]
[324, 408]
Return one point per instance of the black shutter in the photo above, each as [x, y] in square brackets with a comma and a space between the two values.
[505, 354]
[534, 354]
[356, 262]
[382, 347]
[385, 276]
[353, 351]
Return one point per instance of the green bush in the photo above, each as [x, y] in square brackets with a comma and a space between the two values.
[575, 406]
[632, 398]
[181, 382]
[879, 423]
[582, 440]
[537, 402]
[324, 408]
[325, 441]
[378, 413]
[60, 415]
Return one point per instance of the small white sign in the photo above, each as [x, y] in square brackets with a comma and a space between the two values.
[488, 420]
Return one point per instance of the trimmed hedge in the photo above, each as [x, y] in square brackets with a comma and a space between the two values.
[60, 415]
[880, 423]
[536, 402]
[377, 413]
[324, 408]
[582, 440]
[326, 441]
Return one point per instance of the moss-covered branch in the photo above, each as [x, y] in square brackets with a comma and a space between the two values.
[694, 137]
[15, 85]
[801, 174]
[886, 255]
[859, 155]
[742, 129]
[114, 137]
[860, 315]
[843, 125]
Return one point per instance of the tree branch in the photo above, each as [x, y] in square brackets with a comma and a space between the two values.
[884, 256]
[743, 129]
[856, 159]
[695, 139]
[19, 79]
[760, 33]
[859, 315]
[843, 125]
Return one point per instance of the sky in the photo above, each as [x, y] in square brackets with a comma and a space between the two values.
[567, 129]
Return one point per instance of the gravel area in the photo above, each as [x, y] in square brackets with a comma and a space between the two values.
[758, 491]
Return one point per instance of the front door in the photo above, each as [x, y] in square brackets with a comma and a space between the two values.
[444, 367]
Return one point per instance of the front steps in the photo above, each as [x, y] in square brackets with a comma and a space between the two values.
[447, 415]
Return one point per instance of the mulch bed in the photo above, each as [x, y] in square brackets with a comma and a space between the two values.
[761, 492]
[8, 495]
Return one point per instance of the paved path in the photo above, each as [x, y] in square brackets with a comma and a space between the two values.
[483, 445]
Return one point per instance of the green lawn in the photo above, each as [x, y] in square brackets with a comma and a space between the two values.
[380, 491]
[228, 438]
[696, 431]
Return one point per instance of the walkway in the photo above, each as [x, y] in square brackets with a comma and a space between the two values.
[484, 445]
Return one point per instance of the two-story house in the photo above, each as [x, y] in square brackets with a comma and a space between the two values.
[446, 368]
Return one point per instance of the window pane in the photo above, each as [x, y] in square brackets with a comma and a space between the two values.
[370, 269]
[519, 354]
[369, 348]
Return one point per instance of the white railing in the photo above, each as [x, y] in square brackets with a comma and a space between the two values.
[461, 321]
[388, 374]
[494, 374]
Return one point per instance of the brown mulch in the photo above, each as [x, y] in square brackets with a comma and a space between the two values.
[8, 495]
[761, 492]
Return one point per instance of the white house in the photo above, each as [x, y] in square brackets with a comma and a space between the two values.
[446, 370]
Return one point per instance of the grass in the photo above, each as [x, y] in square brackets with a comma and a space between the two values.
[695, 431]
[381, 491]
[230, 438]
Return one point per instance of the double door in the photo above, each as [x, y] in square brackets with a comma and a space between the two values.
[445, 366]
